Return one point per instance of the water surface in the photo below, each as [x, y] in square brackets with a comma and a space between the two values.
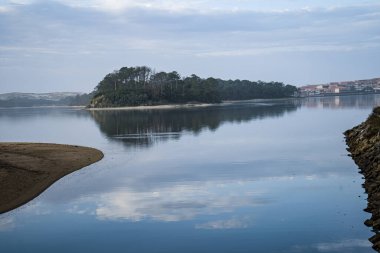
[263, 176]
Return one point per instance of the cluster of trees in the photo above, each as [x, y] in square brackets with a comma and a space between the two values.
[142, 86]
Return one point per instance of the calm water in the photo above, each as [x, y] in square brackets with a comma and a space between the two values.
[270, 176]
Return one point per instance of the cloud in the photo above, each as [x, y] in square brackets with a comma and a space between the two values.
[200, 6]
[288, 49]
[233, 223]
[66, 28]
[4, 9]
[111, 34]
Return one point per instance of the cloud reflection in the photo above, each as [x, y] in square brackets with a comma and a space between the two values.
[176, 203]
[233, 223]
[6, 223]
[342, 245]
[347, 245]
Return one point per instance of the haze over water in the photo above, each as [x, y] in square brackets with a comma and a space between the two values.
[264, 176]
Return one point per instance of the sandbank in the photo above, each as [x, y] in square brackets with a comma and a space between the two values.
[27, 169]
[149, 107]
[191, 105]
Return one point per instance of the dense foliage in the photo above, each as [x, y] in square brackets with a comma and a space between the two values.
[142, 86]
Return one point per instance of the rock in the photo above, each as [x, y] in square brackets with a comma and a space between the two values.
[368, 223]
[364, 145]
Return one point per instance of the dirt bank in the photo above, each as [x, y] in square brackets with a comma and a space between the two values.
[27, 169]
[364, 146]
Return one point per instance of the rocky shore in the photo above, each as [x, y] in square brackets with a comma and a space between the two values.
[364, 145]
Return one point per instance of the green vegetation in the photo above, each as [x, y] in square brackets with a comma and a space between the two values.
[141, 86]
[373, 121]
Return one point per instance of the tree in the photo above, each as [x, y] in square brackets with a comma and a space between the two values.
[142, 86]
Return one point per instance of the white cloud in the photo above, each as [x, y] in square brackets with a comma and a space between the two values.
[21, 2]
[117, 6]
[200, 6]
[4, 9]
[164, 32]
[288, 49]
[106, 5]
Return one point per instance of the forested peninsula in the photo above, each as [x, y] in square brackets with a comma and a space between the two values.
[135, 86]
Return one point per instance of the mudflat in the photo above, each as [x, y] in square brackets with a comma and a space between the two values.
[27, 169]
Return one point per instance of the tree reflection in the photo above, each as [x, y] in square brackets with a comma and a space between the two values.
[145, 127]
[352, 101]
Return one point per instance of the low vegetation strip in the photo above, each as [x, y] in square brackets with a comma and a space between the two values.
[27, 169]
[364, 146]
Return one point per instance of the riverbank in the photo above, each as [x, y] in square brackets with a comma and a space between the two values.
[150, 107]
[27, 169]
[364, 146]
[191, 105]
[339, 94]
[42, 107]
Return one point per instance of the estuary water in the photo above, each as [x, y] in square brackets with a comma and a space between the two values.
[257, 176]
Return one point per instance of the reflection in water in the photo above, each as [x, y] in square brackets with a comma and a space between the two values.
[353, 101]
[268, 176]
[178, 202]
[20, 114]
[234, 223]
[352, 245]
[145, 127]
[6, 223]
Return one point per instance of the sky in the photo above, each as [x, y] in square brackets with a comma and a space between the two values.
[68, 45]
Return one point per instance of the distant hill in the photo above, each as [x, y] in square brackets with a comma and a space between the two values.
[18, 99]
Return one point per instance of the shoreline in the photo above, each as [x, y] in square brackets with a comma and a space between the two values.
[150, 107]
[28, 169]
[44, 106]
[223, 103]
[341, 94]
[184, 106]
[364, 145]
[188, 105]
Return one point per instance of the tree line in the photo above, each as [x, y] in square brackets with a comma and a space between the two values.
[131, 86]
[78, 100]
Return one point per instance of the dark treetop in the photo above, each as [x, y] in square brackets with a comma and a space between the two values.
[142, 86]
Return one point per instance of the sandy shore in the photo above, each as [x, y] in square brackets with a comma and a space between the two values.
[27, 169]
[150, 107]
[192, 105]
